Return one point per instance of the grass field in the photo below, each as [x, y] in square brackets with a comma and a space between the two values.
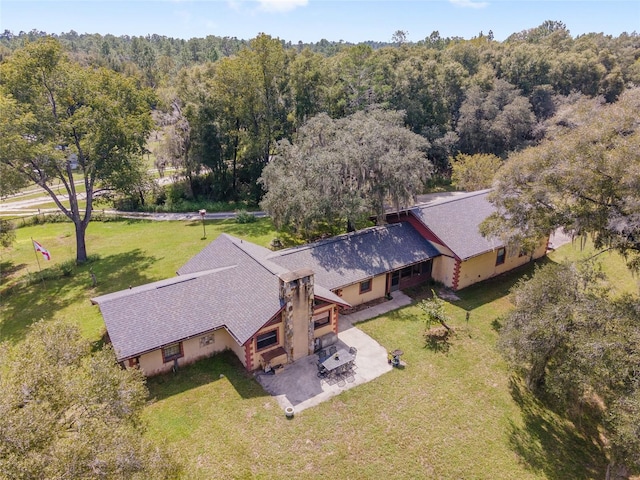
[454, 412]
[131, 253]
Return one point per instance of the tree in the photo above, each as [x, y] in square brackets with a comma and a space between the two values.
[474, 172]
[399, 37]
[61, 113]
[494, 121]
[66, 412]
[434, 310]
[575, 343]
[344, 170]
[7, 233]
[585, 177]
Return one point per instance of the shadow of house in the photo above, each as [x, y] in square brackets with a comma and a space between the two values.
[224, 366]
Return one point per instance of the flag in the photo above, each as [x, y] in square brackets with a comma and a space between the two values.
[39, 248]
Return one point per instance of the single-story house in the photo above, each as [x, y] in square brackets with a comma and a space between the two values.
[452, 225]
[274, 307]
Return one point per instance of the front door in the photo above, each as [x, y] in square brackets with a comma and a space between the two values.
[395, 281]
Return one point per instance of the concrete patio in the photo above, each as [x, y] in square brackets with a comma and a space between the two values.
[298, 385]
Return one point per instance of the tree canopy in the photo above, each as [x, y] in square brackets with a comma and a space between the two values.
[342, 171]
[576, 343]
[80, 126]
[68, 412]
[474, 172]
[585, 177]
[238, 98]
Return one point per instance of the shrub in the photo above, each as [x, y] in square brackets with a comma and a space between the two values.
[245, 217]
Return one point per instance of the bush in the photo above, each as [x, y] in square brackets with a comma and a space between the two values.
[7, 233]
[245, 217]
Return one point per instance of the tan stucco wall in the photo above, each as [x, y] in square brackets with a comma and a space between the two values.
[327, 328]
[352, 294]
[442, 270]
[484, 266]
[151, 363]
[257, 354]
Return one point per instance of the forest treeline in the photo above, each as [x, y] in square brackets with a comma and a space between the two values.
[224, 103]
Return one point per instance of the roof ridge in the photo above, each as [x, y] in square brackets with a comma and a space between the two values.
[456, 198]
[253, 257]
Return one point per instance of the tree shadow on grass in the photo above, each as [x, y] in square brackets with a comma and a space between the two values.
[224, 365]
[29, 302]
[551, 444]
[8, 268]
[438, 339]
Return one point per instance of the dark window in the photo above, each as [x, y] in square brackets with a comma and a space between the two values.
[405, 272]
[171, 352]
[426, 267]
[417, 269]
[322, 321]
[267, 339]
[500, 256]
[365, 286]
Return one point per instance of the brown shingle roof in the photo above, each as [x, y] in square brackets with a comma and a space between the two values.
[354, 257]
[456, 221]
[240, 294]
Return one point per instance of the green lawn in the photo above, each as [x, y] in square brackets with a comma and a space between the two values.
[131, 253]
[454, 412]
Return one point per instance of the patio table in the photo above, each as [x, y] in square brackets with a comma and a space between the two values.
[341, 360]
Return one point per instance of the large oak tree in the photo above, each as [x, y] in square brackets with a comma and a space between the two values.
[78, 126]
[577, 343]
[345, 170]
[69, 412]
[585, 178]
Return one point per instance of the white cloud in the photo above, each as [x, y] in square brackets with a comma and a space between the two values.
[469, 3]
[281, 5]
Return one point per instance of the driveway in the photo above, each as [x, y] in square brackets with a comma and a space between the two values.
[298, 385]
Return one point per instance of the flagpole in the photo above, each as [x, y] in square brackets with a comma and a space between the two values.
[37, 260]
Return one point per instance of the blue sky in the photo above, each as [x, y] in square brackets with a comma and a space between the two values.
[313, 20]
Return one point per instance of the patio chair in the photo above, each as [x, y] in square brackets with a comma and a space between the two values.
[322, 354]
[353, 351]
[333, 350]
[322, 372]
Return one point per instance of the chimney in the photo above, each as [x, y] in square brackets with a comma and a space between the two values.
[296, 293]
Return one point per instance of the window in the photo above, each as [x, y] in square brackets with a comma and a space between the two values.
[500, 256]
[171, 352]
[365, 286]
[267, 339]
[405, 272]
[417, 269]
[322, 320]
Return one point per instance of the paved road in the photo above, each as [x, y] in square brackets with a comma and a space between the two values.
[28, 208]
[181, 216]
